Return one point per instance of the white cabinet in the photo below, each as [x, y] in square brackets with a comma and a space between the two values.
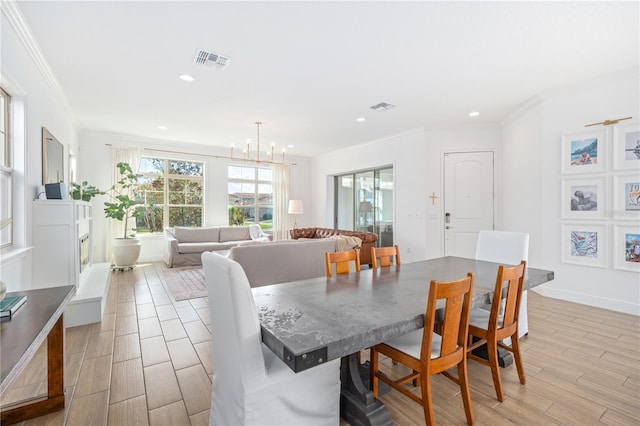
[61, 242]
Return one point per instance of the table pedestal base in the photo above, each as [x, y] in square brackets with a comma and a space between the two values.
[357, 404]
[505, 358]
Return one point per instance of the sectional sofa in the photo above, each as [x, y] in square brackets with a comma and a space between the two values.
[283, 261]
[184, 245]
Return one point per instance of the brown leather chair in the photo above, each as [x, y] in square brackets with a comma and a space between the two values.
[368, 238]
[385, 254]
[342, 259]
[427, 353]
[491, 327]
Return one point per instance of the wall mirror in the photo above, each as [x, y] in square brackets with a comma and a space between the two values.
[52, 158]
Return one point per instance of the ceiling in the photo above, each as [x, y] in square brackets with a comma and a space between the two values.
[307, 70]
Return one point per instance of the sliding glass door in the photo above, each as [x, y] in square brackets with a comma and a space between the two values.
[344, 218]
[384, 204]
[364, 202]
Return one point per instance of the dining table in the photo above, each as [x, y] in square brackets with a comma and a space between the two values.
[313, 321]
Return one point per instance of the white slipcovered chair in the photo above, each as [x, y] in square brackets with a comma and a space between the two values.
[251, 385]
[257, 234]
[508, 248]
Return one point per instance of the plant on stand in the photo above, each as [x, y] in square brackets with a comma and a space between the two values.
[122, 207]
[84, 191]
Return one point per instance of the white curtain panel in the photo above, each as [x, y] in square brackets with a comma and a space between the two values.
[281, 181]
[120, 154]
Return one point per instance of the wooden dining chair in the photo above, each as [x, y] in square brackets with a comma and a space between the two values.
[427, 353]
[492, 327]
[386, 255]
[342, 259]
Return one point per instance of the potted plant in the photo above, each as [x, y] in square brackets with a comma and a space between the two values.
[123, 206]
[84, 191]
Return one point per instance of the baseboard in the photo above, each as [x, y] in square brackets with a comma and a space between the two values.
[585, 299]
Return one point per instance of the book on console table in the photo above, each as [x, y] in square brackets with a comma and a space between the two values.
[9, 305]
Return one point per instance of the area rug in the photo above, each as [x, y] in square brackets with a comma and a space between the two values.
[185, 283]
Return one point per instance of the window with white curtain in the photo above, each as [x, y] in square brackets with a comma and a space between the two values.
[250, 192]
[6, 172]
[172, 193]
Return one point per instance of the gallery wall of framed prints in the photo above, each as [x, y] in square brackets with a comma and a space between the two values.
[600, 197]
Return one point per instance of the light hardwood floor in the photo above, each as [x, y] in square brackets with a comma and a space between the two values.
[149, 362]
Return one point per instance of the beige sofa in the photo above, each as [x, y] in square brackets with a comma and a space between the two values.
[185, 245]
[283, 261]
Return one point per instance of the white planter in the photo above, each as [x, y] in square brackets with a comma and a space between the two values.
[125, 252]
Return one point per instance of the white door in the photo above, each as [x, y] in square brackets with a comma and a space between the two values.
[468, 200]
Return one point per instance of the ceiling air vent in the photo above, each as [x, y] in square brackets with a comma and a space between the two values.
[211, 59]
[382, 106]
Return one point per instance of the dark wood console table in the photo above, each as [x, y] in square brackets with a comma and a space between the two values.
[39, 319]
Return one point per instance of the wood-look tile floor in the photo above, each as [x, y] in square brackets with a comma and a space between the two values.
[149, 362]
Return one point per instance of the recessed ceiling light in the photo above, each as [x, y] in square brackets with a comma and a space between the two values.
[290, 146]
[186, 77]
[474, 114]
[361, 119]
[162, 127]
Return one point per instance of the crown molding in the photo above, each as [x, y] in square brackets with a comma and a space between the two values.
[160, 145]
[16, 19]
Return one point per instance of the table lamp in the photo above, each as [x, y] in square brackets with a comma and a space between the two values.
[295, 208]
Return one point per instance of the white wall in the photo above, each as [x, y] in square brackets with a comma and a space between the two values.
[462, 139]
[417, 160]
[529, 183]
[23, 76]
[521, 204]
[614, 97]
[94, 166]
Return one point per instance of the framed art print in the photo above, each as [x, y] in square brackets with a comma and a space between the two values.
[584, 152]
[626, 147]
[584, 244]
[626, 247]
[626, 196]
[584, 198]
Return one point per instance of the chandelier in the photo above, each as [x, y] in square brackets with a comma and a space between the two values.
[248, 156]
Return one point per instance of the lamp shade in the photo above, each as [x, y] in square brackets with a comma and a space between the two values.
[295, 207]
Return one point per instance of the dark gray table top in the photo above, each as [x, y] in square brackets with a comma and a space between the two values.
[22, 335]
[317, 320]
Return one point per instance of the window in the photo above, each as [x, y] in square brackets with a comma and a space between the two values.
[6, 172]
[250, 191]
[171, 191]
